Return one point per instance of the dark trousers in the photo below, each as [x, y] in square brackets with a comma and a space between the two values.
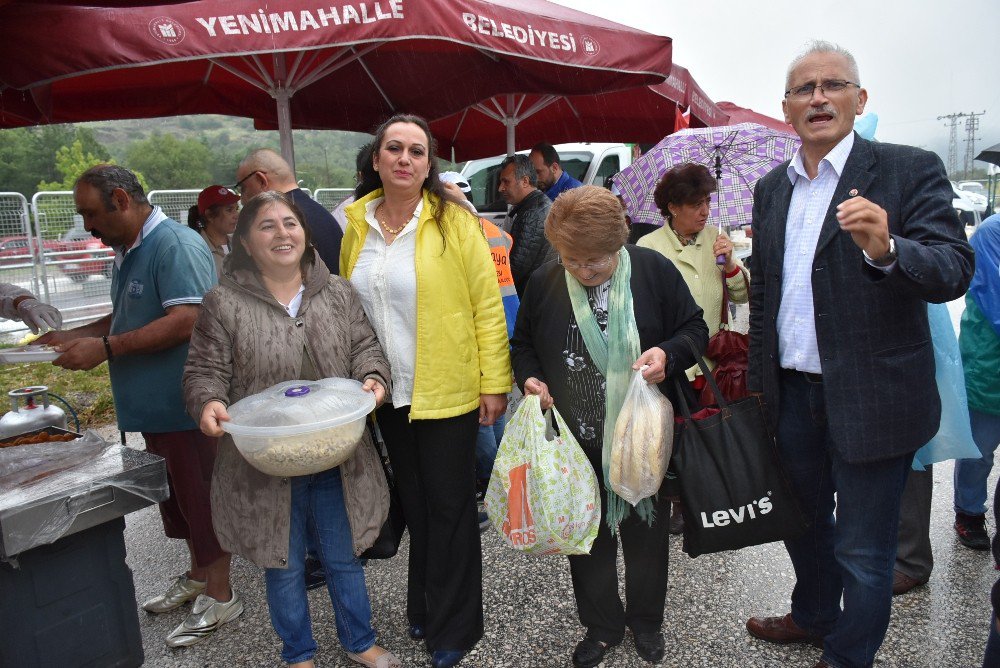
[852, 555]
[434, 462]
[913, 554]
[645, 549]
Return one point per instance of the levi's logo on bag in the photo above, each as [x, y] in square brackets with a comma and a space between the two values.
[519, 525]
[721, 518]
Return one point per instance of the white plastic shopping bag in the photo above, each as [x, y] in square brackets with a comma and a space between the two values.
[643, 442]
[543, 495]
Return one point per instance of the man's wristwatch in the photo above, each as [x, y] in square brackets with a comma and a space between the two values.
[884, 260]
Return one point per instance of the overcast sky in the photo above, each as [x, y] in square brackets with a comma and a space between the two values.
[919, 59]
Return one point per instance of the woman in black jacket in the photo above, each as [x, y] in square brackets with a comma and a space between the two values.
[584, 325]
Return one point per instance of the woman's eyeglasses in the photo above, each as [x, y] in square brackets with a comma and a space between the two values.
[600, 264]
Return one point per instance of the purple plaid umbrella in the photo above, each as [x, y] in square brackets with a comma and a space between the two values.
[738, 156]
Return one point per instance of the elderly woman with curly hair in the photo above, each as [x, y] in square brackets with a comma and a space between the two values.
[585, 325]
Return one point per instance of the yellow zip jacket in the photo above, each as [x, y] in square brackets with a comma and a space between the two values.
[462, 348]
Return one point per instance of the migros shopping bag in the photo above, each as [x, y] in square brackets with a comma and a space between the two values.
[543, 496]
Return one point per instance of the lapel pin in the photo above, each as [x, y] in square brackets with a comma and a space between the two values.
[853, 192]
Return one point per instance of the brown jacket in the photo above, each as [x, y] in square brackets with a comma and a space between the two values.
[244, 342]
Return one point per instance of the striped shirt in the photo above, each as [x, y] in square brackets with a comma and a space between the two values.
[797, 347]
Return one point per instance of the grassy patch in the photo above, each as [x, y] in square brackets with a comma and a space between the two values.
[88, 392]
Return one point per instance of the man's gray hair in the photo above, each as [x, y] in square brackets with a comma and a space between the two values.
[822, 46]
[106, 178]
[522, 168]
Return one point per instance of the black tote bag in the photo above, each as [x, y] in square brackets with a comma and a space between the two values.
[733, 490]
[387, 544]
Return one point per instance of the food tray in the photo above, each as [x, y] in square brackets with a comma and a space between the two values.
[29, 353]
[9, 441]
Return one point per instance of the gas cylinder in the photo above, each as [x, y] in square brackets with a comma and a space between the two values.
[36, 413]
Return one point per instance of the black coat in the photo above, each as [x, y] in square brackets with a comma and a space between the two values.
[664, 312]
[531, 249]
[871, 327]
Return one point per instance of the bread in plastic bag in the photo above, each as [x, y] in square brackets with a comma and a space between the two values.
[543, 496]
[643, 442]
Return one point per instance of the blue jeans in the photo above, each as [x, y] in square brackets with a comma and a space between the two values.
[971, 474]
[487, 442]
[850, 555]
[318, 511]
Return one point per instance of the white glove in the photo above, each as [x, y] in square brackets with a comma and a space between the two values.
[38, 315]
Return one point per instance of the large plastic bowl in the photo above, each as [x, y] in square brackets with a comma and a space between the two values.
[300, 427]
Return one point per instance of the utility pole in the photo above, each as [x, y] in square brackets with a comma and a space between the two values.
[971, 125]
[952, 124]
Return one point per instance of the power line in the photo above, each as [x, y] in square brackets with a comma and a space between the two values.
[971, 125]
[952, 125]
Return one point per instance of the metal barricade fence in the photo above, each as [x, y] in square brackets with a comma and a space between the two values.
[331, 197]
[18, 250]
[175, 203]
[74, 268]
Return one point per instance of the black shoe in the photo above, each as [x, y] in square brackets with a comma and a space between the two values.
[589, 653]
[676, 520]
[971, 530]
[649, 646]
[417, 632]
[314, 577]
[446, 658]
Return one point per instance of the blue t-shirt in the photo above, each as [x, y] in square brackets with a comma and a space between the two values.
[171, 266]
[565, 182]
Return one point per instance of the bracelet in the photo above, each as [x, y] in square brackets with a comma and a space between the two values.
[107, 348]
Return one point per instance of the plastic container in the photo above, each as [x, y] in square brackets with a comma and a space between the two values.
[300, 427]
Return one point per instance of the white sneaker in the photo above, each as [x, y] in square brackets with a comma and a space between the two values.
[206, 617]
[182, 590]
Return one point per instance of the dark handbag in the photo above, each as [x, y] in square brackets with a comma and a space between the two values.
[729, 351]
[734, 492]
[387, 544]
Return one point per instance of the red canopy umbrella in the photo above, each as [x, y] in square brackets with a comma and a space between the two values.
[344, 65]
[737, 114]
[641, 114]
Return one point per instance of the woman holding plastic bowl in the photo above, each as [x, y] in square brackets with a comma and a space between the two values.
[276, 315]
[606, 305]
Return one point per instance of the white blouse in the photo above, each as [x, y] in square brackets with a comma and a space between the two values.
[386, 280]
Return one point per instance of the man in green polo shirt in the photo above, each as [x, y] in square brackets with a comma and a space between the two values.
[161, 271]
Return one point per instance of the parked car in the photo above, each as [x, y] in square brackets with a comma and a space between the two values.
[976, 199]
[968, 211]
[93, 258]
[590, 163]
[15, 250]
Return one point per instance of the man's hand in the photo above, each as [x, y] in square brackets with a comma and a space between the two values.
[372, 385]
[491, 407]
[537, 387]
[80, 354]
[212, 416]
[656, 361]
[867, 223]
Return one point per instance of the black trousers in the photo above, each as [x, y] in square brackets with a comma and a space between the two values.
[434, 462]
[646, 550]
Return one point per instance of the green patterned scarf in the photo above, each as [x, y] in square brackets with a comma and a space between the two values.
[614, 357]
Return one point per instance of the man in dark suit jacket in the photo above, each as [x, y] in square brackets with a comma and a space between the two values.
[850, 240]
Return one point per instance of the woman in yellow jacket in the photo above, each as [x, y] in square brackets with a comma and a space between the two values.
[426, 279]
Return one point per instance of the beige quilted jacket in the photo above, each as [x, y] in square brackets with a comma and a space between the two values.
[244, 342]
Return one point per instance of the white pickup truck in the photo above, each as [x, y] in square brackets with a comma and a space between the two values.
[590, 163]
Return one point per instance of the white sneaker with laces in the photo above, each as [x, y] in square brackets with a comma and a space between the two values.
[182, 590]
[207, 615]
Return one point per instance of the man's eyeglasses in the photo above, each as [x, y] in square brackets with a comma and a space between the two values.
[600, 264]
[828, 86]
[239, 184]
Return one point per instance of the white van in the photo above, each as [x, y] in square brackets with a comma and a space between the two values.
[590, 163]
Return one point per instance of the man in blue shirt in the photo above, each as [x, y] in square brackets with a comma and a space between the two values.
[552, 180]
[161, 271]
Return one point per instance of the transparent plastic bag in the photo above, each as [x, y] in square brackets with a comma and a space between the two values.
[543, 496]
[643, 441]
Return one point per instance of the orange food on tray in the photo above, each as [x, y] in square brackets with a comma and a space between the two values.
[43, 437]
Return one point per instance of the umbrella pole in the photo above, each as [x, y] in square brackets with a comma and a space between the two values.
[511, 123]
[283, 98]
